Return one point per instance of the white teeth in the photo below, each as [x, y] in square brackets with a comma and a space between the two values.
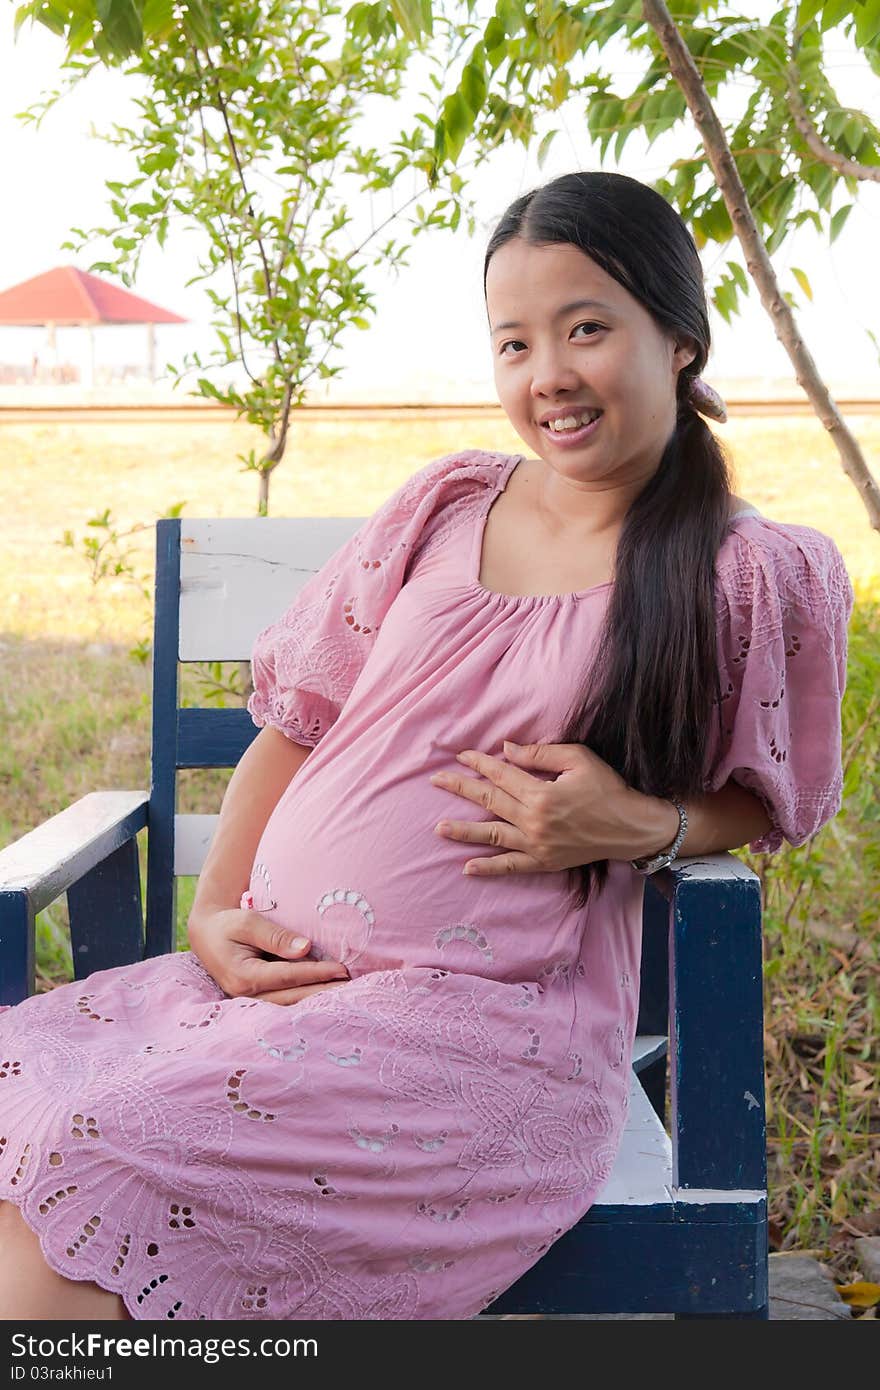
[572, 422]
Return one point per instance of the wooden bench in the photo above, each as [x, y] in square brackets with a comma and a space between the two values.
[681, 1225]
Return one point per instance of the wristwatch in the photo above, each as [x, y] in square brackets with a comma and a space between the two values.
[665, 856]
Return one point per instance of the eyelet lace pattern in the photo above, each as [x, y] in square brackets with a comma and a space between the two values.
[784, 600]
[407, 1144]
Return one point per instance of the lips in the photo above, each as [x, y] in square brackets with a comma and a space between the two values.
[572, 438]
[574, 415]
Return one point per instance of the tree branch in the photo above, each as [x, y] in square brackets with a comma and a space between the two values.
[801, 117]
[285, 235]
[233, 149]
[758, 262]
[232, 263]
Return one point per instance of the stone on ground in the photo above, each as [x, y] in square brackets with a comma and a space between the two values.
[867, 1252]
[800, 1289]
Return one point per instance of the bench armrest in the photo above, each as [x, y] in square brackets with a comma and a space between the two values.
[87, 851]
[716, 1039]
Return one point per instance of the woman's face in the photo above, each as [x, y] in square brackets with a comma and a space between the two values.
[556, 356]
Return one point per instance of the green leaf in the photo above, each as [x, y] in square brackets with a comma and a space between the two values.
[835, 124]
[47, 15]
[158, 18]
[199, 21]
[853, 134]
[807, 10]
[413, 17]
[721, 297]
[473, 87]
[544, 147]
[778, 205]
[715, 221]
[458, 120]
[823, 184]
[121, 23]
[80, 34]
[157, 160]
[560, 86]
[766, 162]
[739, 275]
[495, 42]
[833, 11]
[802, 281]
[867, 20]
[512, 16]
[838, 220]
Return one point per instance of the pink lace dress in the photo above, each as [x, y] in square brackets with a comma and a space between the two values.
[404, 1146]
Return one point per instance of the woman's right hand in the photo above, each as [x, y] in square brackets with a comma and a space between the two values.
[232, 945]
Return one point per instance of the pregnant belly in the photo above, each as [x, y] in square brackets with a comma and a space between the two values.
[356, 867]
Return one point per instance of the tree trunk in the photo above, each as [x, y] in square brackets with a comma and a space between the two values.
[263, 502]
[758, 262]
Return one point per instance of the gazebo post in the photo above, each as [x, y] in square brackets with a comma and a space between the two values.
[151, 350]
[91, 369]
[52, 349]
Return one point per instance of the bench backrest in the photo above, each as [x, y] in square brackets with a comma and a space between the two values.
[218, 583]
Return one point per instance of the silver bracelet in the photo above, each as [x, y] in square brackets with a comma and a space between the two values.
[665, 856]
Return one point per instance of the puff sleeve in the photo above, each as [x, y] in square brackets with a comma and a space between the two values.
[784, 600]
[304, 665]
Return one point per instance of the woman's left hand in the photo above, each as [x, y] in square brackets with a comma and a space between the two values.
[586, 814]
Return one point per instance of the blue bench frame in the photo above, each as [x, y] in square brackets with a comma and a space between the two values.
[703, 1253]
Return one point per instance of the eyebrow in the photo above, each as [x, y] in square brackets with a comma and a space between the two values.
[560, 313]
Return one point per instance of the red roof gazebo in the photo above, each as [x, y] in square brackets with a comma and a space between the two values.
[67, 297]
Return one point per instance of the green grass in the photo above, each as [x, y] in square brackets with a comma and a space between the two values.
[75, 710]
[56, 476]
[822, 945]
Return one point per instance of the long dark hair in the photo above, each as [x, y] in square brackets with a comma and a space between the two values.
[649, 691]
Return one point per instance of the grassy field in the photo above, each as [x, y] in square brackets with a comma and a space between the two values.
[75, 709]
[54, 477]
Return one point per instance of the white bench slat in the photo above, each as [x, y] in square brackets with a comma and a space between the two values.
[192, 840]
[238, 575]
[648, 1047]
[46, 850]
[642, 1172]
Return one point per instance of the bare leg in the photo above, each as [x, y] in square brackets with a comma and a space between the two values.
[29, 1289]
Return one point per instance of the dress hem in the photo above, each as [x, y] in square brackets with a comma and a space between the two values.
[54, 1263]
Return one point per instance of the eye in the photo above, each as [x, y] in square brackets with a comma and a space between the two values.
[588, 324]
[511, 342]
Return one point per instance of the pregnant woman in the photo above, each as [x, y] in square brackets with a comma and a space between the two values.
[379, 1086]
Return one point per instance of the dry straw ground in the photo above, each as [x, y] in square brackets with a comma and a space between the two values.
[75, 717]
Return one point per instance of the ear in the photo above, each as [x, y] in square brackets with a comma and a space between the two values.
[684, 352]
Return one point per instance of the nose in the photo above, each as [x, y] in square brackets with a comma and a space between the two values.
[552, 371]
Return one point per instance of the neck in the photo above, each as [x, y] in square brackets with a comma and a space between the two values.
[582, 509]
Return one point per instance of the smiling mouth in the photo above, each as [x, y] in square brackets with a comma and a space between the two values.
[577, 419]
